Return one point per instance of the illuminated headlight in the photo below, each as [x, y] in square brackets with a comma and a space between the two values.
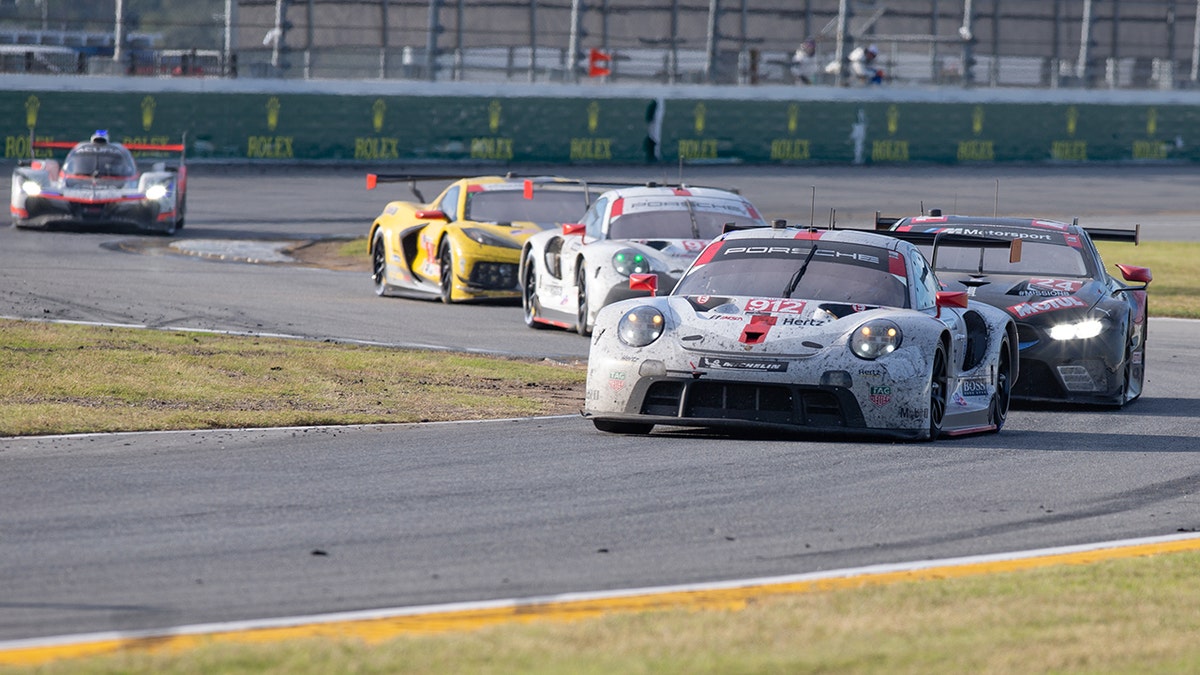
[875, 339]
[488, 239]
[628, 261]
[156, 191]
[31, 188]
[1080, 330]
[640, 326]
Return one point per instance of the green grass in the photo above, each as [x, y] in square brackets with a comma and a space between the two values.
[67, 379]
[1175, 290]
[1123, 616]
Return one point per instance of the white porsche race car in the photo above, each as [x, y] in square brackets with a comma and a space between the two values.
[804, 330]
[568, 274]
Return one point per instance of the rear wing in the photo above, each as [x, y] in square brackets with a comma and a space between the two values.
[1113, 234]
[936, 240]
[180, 147]
[374, 179]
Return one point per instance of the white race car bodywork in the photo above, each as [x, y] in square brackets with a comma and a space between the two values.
[45, 192]
[568, 275]
[787, 363]
[558, 266]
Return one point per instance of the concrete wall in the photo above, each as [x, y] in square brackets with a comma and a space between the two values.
[383, 123]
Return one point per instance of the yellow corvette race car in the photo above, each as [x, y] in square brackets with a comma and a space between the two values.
[466, 243]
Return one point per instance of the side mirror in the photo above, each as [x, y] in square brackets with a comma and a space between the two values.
[569, 229]
[644, 282]
[951, 299]
[431, 214]
[1136, 274]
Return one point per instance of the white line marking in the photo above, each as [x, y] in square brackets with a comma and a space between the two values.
[545, 600]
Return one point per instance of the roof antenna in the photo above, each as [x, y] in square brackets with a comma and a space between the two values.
[812, 209]
[922, 207]
[996, 208]
[681, 169]
[832, 218]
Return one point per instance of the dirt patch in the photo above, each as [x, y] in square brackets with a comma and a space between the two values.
[330, 255]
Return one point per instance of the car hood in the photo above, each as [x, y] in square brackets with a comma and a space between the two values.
[766, 326]
[516, 232]
[1030, 299]
[81, 186]
[675, 255]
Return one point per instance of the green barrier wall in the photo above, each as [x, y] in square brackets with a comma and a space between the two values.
[564, 130]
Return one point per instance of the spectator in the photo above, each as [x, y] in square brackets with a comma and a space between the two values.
[863, 68]
[804, 62]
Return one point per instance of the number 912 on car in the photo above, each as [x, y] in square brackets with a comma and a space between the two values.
[803, 330]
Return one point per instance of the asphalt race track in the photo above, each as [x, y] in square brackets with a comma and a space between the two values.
[137, 531]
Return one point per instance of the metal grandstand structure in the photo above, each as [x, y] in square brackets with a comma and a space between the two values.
[1134, 44]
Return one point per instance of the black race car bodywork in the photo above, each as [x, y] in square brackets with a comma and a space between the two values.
[1082, 332]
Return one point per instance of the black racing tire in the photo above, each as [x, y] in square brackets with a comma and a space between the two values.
[629, 428]
[581, 309]
[379, 265]
[446, 272]
[182, 214]
[1002, 398]
[938, 392]
[168, 230]
[529, 297]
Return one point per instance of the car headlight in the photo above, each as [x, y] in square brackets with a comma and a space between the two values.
[488, 239]
[156, 191]
[640, 326]
[628, 261]
[1080, 330]
[31, 188]
[875, 338]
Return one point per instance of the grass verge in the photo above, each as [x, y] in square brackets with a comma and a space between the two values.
[1120, 616]
[68, 379]
[1175, 290]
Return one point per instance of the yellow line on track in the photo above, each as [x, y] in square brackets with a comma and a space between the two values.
[732, 597]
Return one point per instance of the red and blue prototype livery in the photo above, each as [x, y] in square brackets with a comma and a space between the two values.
[99, 184]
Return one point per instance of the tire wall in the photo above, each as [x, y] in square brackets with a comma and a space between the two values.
[596, 125]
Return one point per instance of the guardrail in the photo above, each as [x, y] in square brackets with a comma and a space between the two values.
[380, 123]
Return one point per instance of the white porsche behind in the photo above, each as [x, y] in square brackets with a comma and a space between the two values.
[568, 274]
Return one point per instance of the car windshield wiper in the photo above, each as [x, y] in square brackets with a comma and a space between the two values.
[795, 280]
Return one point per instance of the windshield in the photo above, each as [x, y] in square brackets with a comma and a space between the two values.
[548, 206]
[837, 272]
[1037, 259]
[676, 224]
[98, 161]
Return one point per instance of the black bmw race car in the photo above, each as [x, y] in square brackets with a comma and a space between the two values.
[1082, 332]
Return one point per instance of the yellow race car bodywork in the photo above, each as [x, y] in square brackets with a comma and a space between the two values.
[466, 243]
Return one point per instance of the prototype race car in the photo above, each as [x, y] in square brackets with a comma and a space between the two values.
[98, 184]
[568, 275]
[1082, 332]
[466, 243]
[801, 329]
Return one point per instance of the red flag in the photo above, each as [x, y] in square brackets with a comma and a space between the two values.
[599, 63]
